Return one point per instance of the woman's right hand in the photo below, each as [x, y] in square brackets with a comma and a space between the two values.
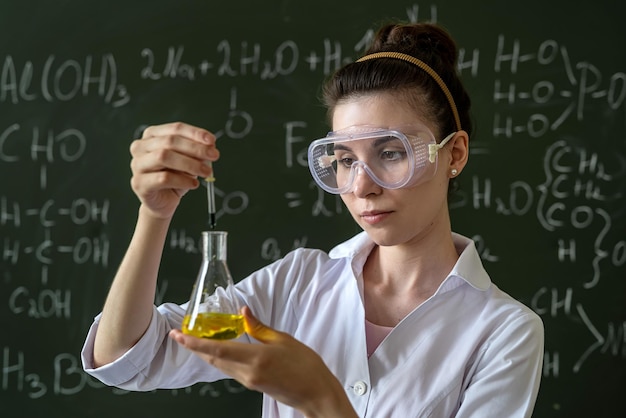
[166, 163]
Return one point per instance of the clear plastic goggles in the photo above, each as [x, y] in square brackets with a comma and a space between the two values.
[390, 158]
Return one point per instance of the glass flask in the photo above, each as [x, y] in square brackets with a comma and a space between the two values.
[213, 310]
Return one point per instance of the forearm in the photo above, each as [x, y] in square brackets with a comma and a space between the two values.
[339, 411]
[128, 308]
[331, 402]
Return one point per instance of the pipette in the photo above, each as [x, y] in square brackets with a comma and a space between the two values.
[210, 192]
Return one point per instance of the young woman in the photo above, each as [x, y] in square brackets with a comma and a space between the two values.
[401, 320]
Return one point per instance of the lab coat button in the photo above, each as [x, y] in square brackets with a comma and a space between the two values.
[360, 388]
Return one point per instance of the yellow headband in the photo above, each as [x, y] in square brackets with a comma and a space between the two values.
[421, 64]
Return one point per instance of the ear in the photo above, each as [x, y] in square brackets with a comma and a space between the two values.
[459, 151]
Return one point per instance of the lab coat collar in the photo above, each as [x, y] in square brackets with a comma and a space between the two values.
[468, 267]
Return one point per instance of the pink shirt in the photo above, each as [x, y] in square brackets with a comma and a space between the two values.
[374, 335]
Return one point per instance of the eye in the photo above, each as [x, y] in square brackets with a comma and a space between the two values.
[344, 158]
[391, 155]
[346, 161]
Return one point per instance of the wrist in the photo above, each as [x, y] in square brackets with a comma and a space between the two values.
[145, 214]
[333, 404]
[151, 225]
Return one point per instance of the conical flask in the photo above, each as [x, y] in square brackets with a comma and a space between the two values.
[213, 310]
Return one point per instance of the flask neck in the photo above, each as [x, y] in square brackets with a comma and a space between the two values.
[214, 245]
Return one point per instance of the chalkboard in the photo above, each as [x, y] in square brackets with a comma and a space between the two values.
[543, 194]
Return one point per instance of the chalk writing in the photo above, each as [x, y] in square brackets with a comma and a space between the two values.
[585, 83]
[65, 377]
[62, 80]
[541, 99]
[46, 303]
[271, 251]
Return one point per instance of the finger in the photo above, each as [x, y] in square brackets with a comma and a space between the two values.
[176, 144]
[226, 355]
[256, 329]
[232, 358]
[163, 180]
[190, 342]
[170, 158]
[181, 129]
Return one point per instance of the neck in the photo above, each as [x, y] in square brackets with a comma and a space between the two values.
[417, 266]
[399, 278]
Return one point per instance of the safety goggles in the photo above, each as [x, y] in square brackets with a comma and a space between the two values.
[389, 157]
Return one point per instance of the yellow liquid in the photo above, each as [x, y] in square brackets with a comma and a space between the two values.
[217, 326]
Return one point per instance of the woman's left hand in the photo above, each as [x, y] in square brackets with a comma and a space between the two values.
[281, 366]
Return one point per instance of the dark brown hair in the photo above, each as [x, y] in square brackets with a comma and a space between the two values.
[427, 42]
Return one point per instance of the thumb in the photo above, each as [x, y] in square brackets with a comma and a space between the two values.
[256, 329]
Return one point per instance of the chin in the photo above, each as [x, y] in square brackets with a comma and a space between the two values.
[385, 237]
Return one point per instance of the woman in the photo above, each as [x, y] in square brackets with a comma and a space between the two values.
[401, 320]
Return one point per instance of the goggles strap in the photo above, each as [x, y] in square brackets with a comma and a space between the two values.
[434, 148]
[420, 64]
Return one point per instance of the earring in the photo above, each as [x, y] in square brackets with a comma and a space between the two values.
[454, 172]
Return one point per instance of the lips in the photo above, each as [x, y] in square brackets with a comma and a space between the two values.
[373, 217]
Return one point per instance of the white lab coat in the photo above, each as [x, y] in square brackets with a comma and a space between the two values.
[468, 351]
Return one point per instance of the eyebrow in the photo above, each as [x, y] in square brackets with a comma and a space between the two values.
[377, 143]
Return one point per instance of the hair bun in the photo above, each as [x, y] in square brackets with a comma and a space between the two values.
[428, 42]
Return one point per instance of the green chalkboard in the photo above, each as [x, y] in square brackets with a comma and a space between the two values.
[543, 194]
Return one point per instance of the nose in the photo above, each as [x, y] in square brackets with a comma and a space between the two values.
[364, 185]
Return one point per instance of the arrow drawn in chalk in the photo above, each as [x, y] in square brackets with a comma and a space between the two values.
[599, 338]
